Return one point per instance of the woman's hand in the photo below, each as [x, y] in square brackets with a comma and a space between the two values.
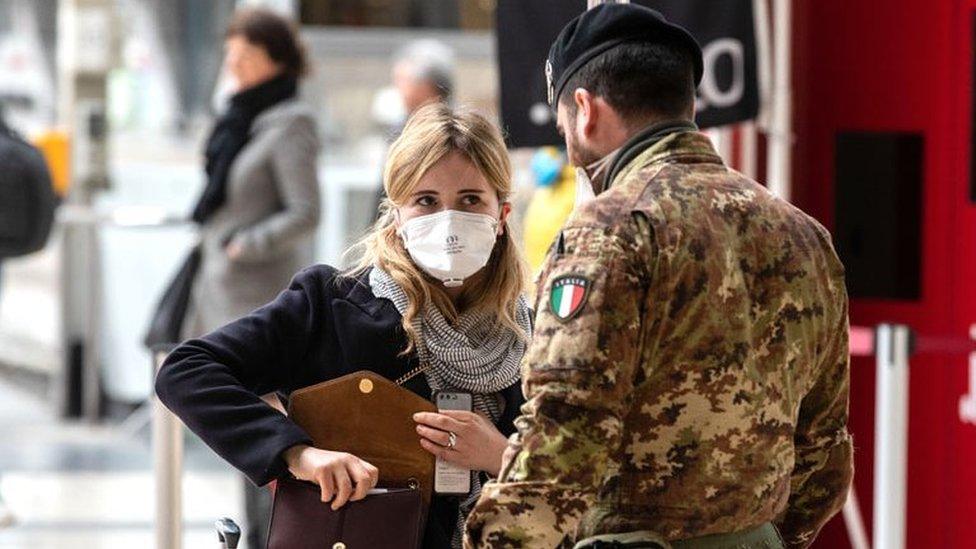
[478, 444]
[342, 477]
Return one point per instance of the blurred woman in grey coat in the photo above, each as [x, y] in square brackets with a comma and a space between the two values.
[260, 208]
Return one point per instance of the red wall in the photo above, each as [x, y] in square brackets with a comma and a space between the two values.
[902, 65]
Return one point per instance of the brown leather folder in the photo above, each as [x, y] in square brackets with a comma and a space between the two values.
[370, 417]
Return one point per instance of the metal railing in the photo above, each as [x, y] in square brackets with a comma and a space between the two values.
[892, 349]
[167, 445]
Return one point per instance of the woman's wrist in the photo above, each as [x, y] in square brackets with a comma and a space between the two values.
[293, 456]
[497, 452]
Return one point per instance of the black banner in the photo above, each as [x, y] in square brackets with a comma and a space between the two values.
[729, 91]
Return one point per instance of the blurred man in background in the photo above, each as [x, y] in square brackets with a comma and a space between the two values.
[423, 72]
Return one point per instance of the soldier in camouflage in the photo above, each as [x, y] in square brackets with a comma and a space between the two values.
[688, 379]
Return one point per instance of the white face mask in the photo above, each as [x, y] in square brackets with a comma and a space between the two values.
[584, 188]
[591, 177]
[450, 245]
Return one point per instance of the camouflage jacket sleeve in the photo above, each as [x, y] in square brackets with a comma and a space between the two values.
[824, 456]
[577, 377]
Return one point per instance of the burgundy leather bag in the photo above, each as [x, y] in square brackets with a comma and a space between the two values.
[391, 519]
[371, 417]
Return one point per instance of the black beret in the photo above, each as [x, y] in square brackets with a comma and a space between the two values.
[605, 26]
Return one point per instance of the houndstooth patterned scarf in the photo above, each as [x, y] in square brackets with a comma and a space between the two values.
[478, 356]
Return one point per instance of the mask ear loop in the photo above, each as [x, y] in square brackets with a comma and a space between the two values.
[399, 226]
[502, 222]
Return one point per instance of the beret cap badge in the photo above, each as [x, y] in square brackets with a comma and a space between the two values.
[550, 90]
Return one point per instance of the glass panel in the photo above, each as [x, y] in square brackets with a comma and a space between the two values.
[878, 213]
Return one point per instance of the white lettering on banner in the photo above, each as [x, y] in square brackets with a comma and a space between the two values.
[967, 402]
[709, 94]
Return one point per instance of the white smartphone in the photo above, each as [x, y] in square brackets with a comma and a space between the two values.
[451, 479]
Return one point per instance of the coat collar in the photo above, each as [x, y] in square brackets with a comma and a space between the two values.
[280, 114]
[358, 291]
[665, 142]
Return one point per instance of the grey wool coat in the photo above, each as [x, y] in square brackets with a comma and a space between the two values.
[272, 209]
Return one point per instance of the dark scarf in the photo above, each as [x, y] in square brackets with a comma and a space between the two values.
[231, 133]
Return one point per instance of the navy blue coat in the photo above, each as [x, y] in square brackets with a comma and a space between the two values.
[321, 327]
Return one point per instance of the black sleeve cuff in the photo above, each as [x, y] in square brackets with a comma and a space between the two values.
[278, 444]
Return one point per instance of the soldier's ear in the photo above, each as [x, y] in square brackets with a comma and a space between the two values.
[586, 111]
[584, 108]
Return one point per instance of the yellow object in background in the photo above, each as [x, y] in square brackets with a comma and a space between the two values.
[549, 209]
[55, 145]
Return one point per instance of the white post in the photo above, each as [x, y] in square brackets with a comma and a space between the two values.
[761, 22]
[748, 149]
[967, 402]
[723, 144]
[167, 442]
[856, 532]
[86, 54]
[780, 133]
[721, 140]
[890, 436]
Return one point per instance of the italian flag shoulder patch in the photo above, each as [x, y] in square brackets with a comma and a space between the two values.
[567, 296]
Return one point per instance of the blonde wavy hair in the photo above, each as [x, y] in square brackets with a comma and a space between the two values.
[433, 132]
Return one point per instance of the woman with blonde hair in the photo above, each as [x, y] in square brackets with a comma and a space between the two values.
[436, 301]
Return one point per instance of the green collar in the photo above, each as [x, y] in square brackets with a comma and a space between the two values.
[644, 140]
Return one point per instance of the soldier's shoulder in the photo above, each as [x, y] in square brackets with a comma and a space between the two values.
[817, 226]
[819, 248]
[805, 222]
[606, 228]
[612, 209]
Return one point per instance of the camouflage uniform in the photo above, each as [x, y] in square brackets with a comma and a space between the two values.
[702, 385]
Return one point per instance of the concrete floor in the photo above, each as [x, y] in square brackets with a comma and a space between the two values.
[82, 486]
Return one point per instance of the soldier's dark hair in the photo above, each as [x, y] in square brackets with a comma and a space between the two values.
[277, 35]
[641, 81]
